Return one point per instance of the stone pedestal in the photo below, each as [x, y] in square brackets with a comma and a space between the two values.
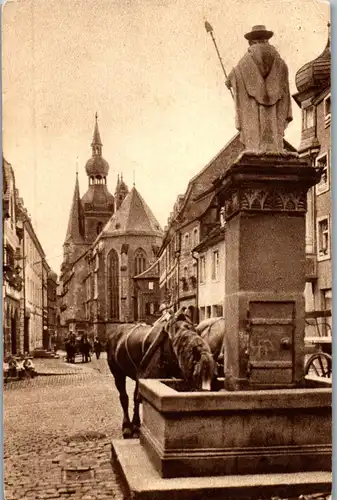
[264, 198]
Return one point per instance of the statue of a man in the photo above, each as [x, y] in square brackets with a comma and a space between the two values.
[261, 92]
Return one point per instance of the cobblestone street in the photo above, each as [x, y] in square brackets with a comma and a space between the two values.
[58, 430]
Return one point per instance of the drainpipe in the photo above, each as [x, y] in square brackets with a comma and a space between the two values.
[195, 257]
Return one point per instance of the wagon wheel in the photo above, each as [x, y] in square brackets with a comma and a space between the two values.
[319, 364]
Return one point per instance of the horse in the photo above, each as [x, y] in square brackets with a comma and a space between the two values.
[212, 330]
[169, 348]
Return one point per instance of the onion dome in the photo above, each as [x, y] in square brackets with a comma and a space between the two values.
[316, 75]
[96, 166]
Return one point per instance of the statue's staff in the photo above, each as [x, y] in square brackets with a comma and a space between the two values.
[209, 29]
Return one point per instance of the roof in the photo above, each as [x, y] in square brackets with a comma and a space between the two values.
[133, 217]
[96, 140]
[315, 75]
[212, 238]
[75, 223]
[203, 180]
[151, 273]
[98, 196]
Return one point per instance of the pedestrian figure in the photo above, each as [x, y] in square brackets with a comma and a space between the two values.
[29, 367]
[85, 348]
[70, 346]
[261, 93]
[97, 347]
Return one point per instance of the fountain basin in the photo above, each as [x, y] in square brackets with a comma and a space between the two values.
[197, 434]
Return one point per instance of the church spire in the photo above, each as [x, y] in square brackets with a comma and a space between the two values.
[96, 140]
[75, 224]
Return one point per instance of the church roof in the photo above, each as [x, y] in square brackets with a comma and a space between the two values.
[134, 216]
[98, 196]
[75, 223]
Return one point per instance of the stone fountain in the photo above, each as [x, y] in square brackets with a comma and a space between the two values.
[267, 431]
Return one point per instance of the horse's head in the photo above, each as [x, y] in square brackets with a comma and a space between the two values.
[193, 353]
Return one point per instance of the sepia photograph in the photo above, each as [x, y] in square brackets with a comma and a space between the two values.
[167, 250]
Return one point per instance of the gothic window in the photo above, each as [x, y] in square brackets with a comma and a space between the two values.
[140, 261]
[113, 285]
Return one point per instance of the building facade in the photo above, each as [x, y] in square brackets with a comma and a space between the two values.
[12, 265]
[313, 83]
[25, 273]
[51, 307]
[211, 253]
[147, 295]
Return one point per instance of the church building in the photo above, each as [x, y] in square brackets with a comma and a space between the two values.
[109, 240]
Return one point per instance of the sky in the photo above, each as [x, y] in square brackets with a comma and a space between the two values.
[151, 72]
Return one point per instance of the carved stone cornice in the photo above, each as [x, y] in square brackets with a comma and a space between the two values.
[269, 183]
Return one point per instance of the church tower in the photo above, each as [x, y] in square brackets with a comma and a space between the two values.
[74, 240]
[97, 202]
[120, 192]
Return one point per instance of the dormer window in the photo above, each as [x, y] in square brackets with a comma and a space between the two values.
[308, 117]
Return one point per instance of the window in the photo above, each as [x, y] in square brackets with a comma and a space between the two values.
[185, 273]
[187, 242]
[202, 313]
[308, 117]
[217, 311]
[150, 285]
[195, 237]
[99, 227]
[113, 284]
[215, 265]
[140, 261]
[208, 312]
[222, 217]
[324, 183]
[323, 238]
[151, 308]
[327, 108]
[202, 270]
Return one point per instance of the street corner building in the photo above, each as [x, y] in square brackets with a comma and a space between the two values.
[313, 82]
[110, 240]
[29, 284]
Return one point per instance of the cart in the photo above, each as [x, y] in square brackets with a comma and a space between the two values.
[319, 339]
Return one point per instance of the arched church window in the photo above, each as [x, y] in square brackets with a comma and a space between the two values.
[99, 227]
[140, 261]
[113, 285]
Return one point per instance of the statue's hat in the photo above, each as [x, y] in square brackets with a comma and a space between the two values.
[259, 32]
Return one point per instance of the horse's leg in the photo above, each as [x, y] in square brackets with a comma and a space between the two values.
[120, 382]
[136, 416]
